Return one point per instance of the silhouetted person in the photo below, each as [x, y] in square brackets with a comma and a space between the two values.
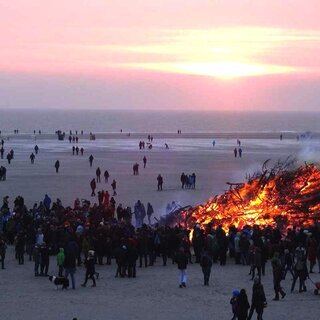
[235, 151]
[114, 187]
[144, 161]
[240, 152]
[77, 150]
[93, 186]
[36, 149]
[106, 176]
[32, 156]
[1, 152]
[81, 151]
[57, 166]
[73, 150]
[98, 174]
[160, 182]
[91, 160]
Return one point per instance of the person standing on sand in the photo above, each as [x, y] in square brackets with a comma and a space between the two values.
[144, 161]
[240, 152]
[242, 305]
[90, 269]
[98, 174]
[149, 212]
[57, 166]
[71, 254]
[206, 264]
[73, 150]
[235, 152]
[93, 186]
[81, 151]
[106, 176]
[160, 182]
[36, 149]
[114, 187]
[91, 160]
[277, 276]
[182, 262]
[32, 156]
[1, 152]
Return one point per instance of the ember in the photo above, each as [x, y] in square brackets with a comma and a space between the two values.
[274, 197]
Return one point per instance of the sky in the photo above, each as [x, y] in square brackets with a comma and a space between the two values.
[160, 54]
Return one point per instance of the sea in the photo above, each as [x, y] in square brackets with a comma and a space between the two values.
[112, 121]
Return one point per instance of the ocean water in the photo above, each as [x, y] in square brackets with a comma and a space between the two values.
[106, 121]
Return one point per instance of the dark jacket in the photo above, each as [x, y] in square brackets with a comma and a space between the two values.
[181, 260]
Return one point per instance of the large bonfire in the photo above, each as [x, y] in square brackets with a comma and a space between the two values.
[277, 197]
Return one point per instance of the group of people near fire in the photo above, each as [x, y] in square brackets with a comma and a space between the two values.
[94, 235]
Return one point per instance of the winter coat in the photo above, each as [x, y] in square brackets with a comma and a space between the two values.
[181, 260]
[60, 257]
[90, 266]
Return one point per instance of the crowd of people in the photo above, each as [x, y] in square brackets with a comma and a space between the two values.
[97, 234]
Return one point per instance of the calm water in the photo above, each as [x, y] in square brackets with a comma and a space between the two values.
[157, 121]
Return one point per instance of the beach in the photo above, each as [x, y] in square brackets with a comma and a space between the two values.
[117, 153]
[154, 294]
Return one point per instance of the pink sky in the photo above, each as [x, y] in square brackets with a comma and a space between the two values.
[143, 54]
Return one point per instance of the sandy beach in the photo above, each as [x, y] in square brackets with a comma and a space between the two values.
[154, 294]
[213, 166]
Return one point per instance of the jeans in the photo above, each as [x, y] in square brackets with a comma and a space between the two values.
[182, 276]
[71, 271]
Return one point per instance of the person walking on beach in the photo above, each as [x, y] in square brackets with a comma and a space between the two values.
[32, 156]
[277, 276]
[77, 150]
[1, 152]
[182, 262]
[91, 160]
[240, 152]
[81, 151]
[235, 152]
[160, 182]
[3, 173]
[98, 174]
[90, 269]
[9, 158]
[71, 254]
[106, 176]
[242, 305]
[93, 186]
[114, 187]
[206, 264]
[73, 150]
[36, 149]
[144, 161]
[57, 166]
[259, 300]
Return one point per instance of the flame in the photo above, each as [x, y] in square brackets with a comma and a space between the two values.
[272, 198]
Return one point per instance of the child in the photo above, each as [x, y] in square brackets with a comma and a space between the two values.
[234, 303]
[90, 269]
[182, 262]
[60, 261]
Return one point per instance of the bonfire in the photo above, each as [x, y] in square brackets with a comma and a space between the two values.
[278, 197]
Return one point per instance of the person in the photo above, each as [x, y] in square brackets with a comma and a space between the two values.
[91, 160]
[242, 305]
[235, 152]
[73, 150]
[240, 152]
[57, 166]
[9, 158]
[182, 261]
[259, 300]
[193, 181]
[36, 259]
[183, 180]
[114, 187]
[32, 156]
[144, 161]
[300, 269]
[149, 212]
[234, 303]
[98, 174]
[81, 151]
[3, 249]
[60, 261]
[166, 145]
[206, 264]
[90, 269]
[77, 150]
[3, 173]
[1, 152]
[106, 176]
[45, 259]
[19, 246]
[47, 202]
[71, 254]
[277, 276]
[213, 143]
[160, 182]
[93, 186]
[36, 149]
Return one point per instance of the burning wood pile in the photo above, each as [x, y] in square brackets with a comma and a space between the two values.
[274, 197]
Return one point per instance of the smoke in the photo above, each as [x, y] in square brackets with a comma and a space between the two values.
[310, 152]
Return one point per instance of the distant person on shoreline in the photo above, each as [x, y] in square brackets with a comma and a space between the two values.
[235, 151]
[91, 160]
[1, 152]
[36, 149]
[57, 166]
[135, 169]
[240, 152]
[81, 151]
[166, 145]
[3, 173]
